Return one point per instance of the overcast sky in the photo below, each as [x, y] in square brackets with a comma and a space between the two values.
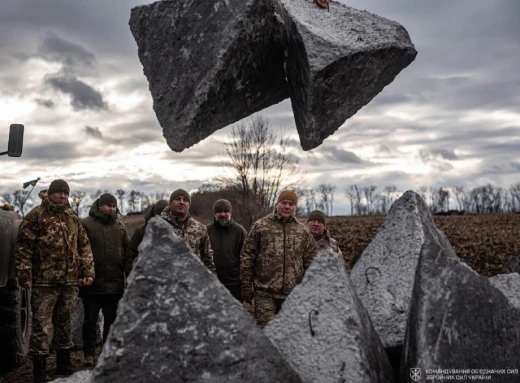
[69, 72]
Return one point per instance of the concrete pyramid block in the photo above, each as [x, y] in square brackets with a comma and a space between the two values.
[458, 320]
[177, 322]
[212, 63]
[209, 63]
[384, 274]
[325, 333]
[82, 376]
[509, 284]
[337, 62]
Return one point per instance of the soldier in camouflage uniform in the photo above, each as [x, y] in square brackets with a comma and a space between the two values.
[275, 255]
[53, 256]
[316, 224]
[194, 233]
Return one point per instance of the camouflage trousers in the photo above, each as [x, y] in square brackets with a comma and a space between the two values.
[52, 308]
[266, 306]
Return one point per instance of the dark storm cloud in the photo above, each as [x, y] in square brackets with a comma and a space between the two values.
[343, 156]
[83, 96]
[56, 49]
[45, 102]
[94, 132]
[55, 151]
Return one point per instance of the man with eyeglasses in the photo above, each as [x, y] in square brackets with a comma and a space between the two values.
[275, 255]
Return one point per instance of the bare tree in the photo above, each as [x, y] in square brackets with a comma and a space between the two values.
[133, 200]
[19, 199]
[443, 199]
[391, 194]
[370, 196]
[351, 197]
[514, 191]
[460, 196]
[75, 200]
[327, 197]
[121, 196]
[262, 167]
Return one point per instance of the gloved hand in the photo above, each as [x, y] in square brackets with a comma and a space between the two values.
[247, 293]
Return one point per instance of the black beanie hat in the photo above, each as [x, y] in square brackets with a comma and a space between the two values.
[58, 186]
[222, 205]
[180, 193]
[107, 199]
[316, 215]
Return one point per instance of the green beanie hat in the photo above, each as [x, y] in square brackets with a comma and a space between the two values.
[180, 193]
[58, 186]
[107, 199]
[222, 205]
[316, 215]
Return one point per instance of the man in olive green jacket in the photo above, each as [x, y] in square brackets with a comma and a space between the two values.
[53, 256]
[275, 255]
[109, 242]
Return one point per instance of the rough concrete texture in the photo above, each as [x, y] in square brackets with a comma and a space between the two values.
[325, 333]
[509, 284]
[78, 377]
[209, 63]
[384, 274]
[77, 325]
[337, 62]
[212, 63]
[458, 320]
[177, 322]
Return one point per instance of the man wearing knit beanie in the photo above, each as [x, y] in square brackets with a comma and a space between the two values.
[109, 242]
[316, 224]
[226, 237]
[177, 214]
[53, 262]
[275, 255]
[154, 210]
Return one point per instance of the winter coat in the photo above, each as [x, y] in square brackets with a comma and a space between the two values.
[226, 242]
[325, 242]
[275, 255]
[109, 243]
[195, 234]
[52, 247]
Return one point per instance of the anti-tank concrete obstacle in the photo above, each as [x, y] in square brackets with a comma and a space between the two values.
[212, 63]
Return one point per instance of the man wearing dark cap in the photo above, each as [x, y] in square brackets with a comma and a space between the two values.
[316, 224]
[227, 238]
[53, 256]
[154, 210]
[177, 214]
[276, 253]
[109, 243]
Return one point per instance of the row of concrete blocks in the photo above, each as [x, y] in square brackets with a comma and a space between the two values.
[408, 304]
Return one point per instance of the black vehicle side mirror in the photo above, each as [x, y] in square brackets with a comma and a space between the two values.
[14, 147]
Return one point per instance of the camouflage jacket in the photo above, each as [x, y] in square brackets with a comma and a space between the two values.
[325, 242]
[275, 255]
[52, 247]
[196, 236]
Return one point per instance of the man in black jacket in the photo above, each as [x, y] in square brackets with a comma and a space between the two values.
[109, 242]
[227, 238]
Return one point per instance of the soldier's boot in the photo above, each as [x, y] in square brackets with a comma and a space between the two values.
[64, 365]
[40, 369]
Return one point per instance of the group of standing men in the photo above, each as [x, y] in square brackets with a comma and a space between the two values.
[59, 255]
